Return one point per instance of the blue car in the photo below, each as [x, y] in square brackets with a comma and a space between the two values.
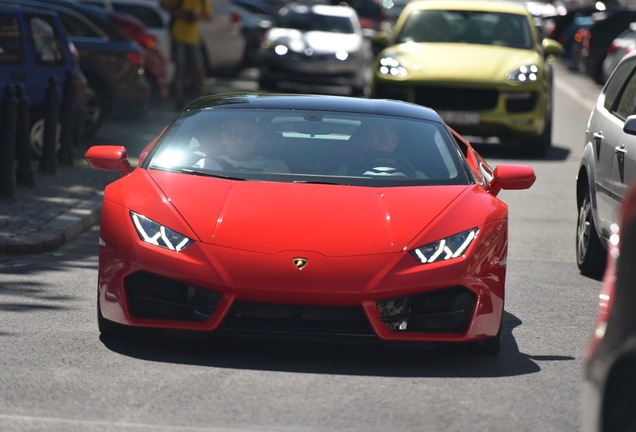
[33, 49]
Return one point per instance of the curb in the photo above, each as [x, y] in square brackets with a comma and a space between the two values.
[63, 228]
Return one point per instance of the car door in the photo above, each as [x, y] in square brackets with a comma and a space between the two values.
[624, 161]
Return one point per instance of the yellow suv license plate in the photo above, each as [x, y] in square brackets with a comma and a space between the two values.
[462, 118]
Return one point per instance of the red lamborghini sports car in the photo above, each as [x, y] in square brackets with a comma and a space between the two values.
[307, 215]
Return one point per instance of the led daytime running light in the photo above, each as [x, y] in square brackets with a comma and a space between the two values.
[153, 233]
[445, 249]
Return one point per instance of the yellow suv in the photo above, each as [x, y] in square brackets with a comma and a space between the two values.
[480, 64]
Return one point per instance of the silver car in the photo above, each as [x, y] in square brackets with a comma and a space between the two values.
[319, 45]
[608, 166]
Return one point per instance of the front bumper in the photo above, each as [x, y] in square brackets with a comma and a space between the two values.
[384, 298]
[507, 113]
[317, 70]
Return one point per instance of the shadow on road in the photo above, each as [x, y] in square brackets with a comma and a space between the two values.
[333, 359]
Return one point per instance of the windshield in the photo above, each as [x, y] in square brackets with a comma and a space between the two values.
[476, 27]
[310, 146]
[311, 21]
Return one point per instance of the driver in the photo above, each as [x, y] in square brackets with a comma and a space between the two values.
[240, 139]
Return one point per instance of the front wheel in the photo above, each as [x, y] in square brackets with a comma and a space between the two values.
[36, 133]
[591, 257]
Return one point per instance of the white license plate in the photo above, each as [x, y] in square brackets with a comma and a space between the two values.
[463, 118]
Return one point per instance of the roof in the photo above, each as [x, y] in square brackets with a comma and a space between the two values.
[315, 102]
[474, 5]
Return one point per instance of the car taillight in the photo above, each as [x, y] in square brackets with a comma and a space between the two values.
[612, 48]
[236, 19]
[136, 59]
[146, 40]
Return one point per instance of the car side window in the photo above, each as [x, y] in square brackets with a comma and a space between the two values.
[77, 27]
[47, 46]
[145, 14]
[627, 104]
[10, 40]
[616, 84]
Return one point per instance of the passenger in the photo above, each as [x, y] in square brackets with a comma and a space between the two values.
[378, 147]
[239, 138]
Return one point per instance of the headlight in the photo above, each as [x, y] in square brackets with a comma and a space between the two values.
[151, 232]
[526, 73]
[445, 249]
[393, 67]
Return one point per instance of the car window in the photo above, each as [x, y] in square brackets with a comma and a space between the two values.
[78, 27]
[616, 84]
[48, 50]
[10, 40]
[316, 146]
[627, 104]
[148, 16]
[315, 22]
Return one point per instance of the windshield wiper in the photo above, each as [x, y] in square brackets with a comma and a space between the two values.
[210, 174]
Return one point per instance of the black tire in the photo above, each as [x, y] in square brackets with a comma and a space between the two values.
[36, 133]
[96, 107]
[591, 256]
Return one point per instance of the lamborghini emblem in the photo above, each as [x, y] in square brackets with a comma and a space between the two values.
[300, 263]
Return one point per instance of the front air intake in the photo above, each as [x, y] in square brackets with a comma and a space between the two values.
[156, 297]
[440, 311]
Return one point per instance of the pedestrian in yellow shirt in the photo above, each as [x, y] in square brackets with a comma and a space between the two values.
[186, 49]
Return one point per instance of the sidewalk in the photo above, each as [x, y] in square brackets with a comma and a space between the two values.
[57, 209]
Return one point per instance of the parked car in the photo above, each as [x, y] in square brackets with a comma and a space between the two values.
[607, 166]
[316, 45]
[486, 81]
[608, 395]
[112, 62]
[254, 27]
[371, 13]
[222, 43]
[156, 65]
[599, 38]
[295, 186]
[154, 18]
[619, 48]
[33, 49]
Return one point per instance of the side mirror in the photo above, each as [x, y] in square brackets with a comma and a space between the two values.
[551, 47]
[513, 177]
[630, 125]
[109, 158]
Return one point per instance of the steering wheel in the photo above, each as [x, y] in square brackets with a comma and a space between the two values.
[384, 164]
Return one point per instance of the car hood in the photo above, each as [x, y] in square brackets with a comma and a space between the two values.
[460, 62]
[334, 220]
[320, 42]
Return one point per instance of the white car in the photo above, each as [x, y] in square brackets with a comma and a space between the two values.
[222, 42]
[316, 45]
[607, 167]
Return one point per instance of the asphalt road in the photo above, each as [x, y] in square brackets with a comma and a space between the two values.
[57, 375]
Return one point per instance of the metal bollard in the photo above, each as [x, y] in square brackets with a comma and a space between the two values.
[7, 142]
[24, 172]
[48, 161]
[65, 154]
